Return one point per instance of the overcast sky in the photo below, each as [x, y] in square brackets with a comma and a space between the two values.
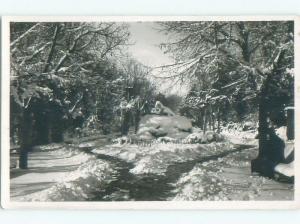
[146, 39]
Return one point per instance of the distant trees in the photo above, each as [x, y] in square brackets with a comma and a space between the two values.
[64, 76]
[231, 59]
[172, 101]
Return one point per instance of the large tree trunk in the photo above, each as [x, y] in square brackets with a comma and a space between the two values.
[261, 164]
[263, 126]
[265, 162]
[290, 133]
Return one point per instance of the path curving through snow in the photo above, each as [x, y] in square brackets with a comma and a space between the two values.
[93, 171]
[150, 186]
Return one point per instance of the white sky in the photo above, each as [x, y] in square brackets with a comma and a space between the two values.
[146, 39]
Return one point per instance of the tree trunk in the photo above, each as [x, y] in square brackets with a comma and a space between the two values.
[42, 127]
[219, 119]
[25, 138]
[213, 120]
[204, 120]
[125, 123]
[56, 130]
[209, 118]
[51, 53]
[265, 162]
[290, 124]
[56, 124]
[200, 119]
[263, 126]
[263, 107]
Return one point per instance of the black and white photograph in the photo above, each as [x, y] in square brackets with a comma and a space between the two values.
[121, 109]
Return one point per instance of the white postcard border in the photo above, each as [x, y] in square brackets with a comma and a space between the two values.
[137, 205]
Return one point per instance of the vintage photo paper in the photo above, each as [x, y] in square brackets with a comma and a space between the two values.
[133, 112]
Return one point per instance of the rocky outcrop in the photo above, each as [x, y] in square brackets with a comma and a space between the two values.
[155, 126]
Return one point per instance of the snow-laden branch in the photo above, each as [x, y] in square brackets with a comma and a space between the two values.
[234, 83]
[76, 103]
[31, 29]
[35, 53]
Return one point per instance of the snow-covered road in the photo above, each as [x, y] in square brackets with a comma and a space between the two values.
[158, 171]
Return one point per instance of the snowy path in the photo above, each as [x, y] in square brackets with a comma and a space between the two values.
[59, 173]
[150, 186]
[98, 172]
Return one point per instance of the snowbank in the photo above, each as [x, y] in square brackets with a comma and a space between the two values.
[90, 175]
[229, 178]
[78, 185]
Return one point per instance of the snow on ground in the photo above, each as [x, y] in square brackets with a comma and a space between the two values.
[175, 126]
[229, 178]
[157, 157]
[240, 137]
[60, 172]
[63, 174]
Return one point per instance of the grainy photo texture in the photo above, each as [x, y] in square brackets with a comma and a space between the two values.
[151, 111]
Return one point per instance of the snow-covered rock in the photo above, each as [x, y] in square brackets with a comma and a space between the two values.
[160, 126]
[194, 138]
[201, 137]
[210, 136]
[248, 125]
[146, 136]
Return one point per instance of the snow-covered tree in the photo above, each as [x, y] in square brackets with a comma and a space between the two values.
[51, 76]
[235, 58]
